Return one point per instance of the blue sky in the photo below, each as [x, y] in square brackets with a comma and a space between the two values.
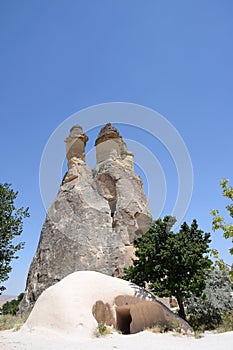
[59, 57]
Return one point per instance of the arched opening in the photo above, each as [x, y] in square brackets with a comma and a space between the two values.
[124, 319]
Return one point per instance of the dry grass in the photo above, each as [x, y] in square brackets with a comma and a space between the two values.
[11, 322]
[164, 327]
[226, 324]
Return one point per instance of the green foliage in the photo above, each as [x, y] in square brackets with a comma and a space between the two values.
[220, 264]
[215, 306]
[11, 307]
[218, 221]
[11, 225]
[173, 264]
[102, 330]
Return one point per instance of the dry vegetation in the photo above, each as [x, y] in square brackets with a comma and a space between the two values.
[11, 322]
[164, 327]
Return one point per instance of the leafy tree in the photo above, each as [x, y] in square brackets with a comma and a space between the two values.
[11, 307]
[207, 310]
[220, 264]
[218, 221]
[11, 225]
[172, 264]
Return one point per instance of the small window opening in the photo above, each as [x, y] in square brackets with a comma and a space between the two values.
[112, 205]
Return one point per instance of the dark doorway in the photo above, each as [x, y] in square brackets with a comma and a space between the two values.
[123, 319]
[112, 205]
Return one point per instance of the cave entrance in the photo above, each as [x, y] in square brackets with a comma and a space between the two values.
[124, 319]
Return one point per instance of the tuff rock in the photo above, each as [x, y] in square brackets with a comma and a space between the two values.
[75, 306]
[93, 221]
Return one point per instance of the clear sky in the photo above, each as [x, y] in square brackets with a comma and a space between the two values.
[61, 56]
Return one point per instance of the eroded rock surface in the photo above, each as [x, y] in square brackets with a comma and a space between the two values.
[92, 223]
[82, 300]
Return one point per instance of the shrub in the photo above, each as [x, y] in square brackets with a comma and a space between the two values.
[11, 307]
[207, 312]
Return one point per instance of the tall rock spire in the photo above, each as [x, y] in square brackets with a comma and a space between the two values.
[93, 221]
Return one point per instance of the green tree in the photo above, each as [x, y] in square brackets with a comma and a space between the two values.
[172, 264]
[11, 307]
[218, 221]
[11, 225]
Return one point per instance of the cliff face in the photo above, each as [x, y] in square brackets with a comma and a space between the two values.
[95, 217]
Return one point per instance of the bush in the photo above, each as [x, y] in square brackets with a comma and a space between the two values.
[207, 312]
[11, 307]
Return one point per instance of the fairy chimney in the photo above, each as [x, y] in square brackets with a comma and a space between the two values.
[95, 217]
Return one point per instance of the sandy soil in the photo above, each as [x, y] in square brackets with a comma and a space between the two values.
[23, 340]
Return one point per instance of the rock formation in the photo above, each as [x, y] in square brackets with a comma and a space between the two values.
[75, 305]
[97, 214]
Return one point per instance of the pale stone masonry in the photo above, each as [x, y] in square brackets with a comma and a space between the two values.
[93, 221]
